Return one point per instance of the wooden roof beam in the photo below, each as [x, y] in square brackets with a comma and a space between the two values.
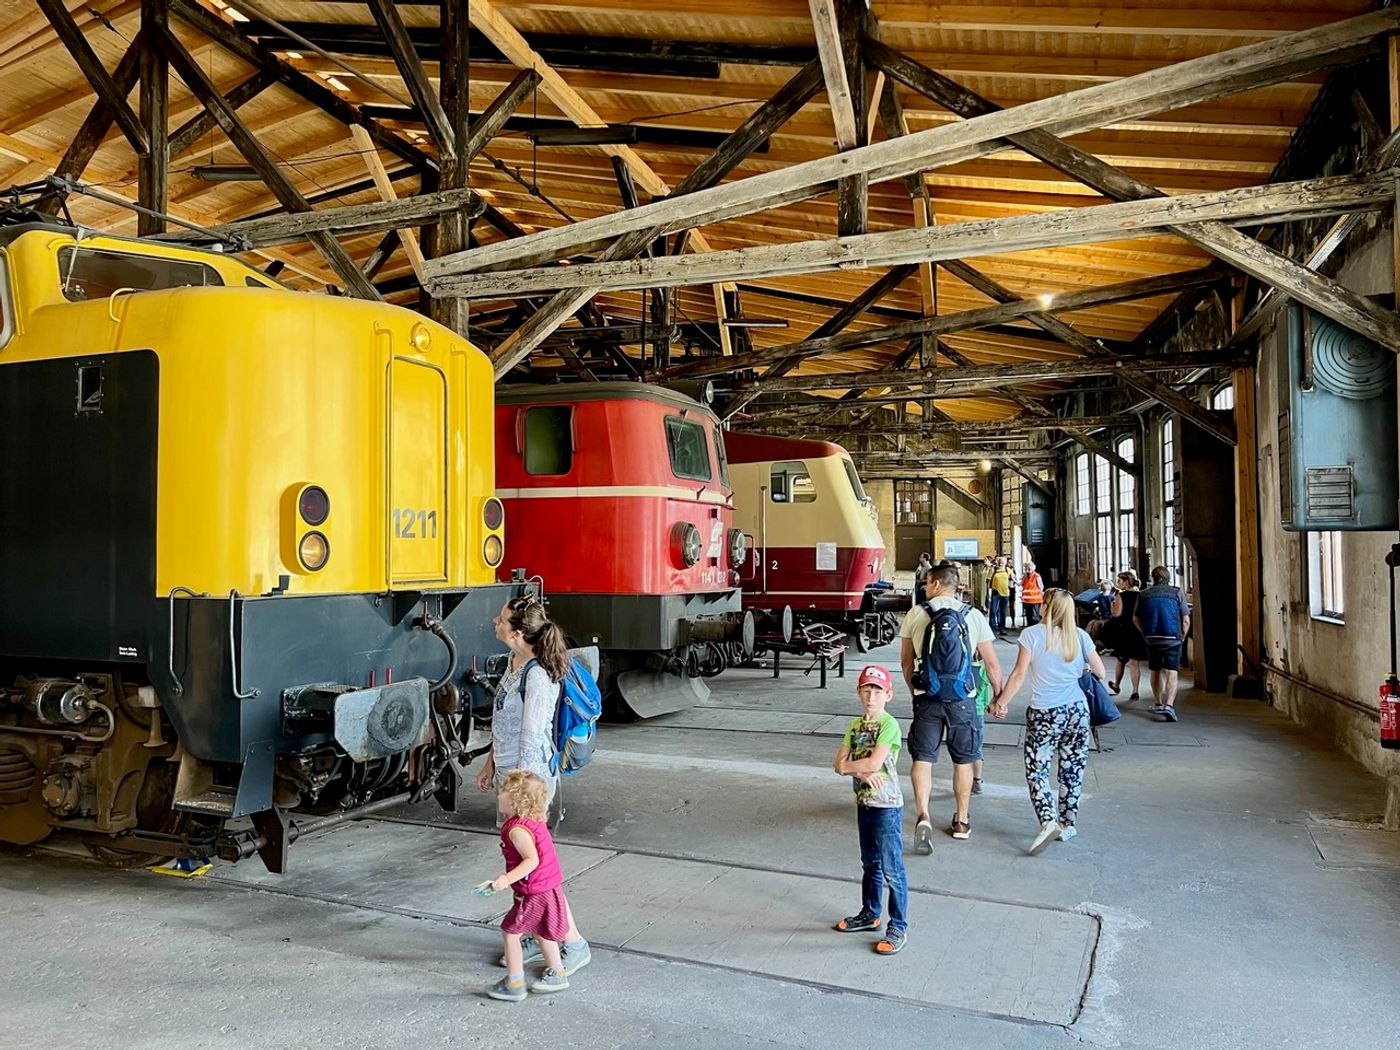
[1275, 202]
[266, 167]
[1238, 249]
[838, 89]
[92, 68]
[1073, 112]
[96, 124]
[414, 76]
[756, 129]
[981, 317]
[989, 375]
[981, 428]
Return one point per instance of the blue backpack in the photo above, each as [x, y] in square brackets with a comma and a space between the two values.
[945, 670]
[576, 719]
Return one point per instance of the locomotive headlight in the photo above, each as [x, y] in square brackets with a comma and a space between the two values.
[738, 547]
[420, 338]
[314, 550]
[493, 550]
[685, 543]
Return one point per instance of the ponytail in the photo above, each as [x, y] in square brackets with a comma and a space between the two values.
[542, 634]
[551, 650]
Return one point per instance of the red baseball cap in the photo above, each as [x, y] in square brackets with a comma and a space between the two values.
[875, 675]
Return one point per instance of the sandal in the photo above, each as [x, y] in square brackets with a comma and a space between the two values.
[859, 923]
[891, 944]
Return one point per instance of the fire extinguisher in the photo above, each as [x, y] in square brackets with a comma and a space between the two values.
[1390, 688]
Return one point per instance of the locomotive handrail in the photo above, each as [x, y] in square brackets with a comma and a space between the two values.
[170, 647]
[238, 694]
[112, 302]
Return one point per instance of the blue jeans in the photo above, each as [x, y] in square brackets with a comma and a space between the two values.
[882, 857]
[999, 604]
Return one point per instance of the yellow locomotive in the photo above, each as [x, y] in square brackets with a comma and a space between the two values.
[248, 548]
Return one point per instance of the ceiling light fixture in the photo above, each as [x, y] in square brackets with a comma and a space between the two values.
[754, 322]
[223, 173]
[608, 135]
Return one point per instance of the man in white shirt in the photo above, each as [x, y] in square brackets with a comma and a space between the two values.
[933, 718]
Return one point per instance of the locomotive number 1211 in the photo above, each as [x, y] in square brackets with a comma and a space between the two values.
[410, 524]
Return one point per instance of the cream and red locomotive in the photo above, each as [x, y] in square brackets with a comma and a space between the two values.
[618, 498]
[817, 552]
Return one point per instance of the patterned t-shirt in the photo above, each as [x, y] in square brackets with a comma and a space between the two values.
[861, 739]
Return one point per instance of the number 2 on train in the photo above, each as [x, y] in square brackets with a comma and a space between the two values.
[405, 520]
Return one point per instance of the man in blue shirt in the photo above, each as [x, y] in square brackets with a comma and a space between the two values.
[1164, 618]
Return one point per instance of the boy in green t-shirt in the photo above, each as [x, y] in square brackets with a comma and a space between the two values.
[867, 755]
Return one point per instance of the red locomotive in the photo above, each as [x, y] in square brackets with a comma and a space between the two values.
[817, 550]
[617, 496]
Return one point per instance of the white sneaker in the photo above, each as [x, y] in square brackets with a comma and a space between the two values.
[1048, 834]
[1067, 832]
[923, 837]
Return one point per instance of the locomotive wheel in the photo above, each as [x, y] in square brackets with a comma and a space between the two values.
[155, 812]
[862, 642]
[713, 662]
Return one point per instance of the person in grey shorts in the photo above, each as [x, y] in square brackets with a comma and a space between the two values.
[937, 720]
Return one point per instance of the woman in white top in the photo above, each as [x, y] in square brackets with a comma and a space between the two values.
[522, 726]
[1056, 653]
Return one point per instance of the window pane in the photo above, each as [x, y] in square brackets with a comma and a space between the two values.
[1127, 542]
[1081, 484]
[854, 479]
[1103, 545]
[86, 274]
[549, 439]
[1103, 487]
[690, 458]
[723, 459]
[792, 483]
[1224, 398]
[1168, 461]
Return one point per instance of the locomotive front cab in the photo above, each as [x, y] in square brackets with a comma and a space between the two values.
[816, 546]
[274, 551]
[619, 500]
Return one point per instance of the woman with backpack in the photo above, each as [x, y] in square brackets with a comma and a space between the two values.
[1056, 653]
[522, 725]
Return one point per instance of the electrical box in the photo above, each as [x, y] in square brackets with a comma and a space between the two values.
[1337, 440]
[1038, 515]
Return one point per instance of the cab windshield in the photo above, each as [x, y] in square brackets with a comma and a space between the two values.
[87, 273]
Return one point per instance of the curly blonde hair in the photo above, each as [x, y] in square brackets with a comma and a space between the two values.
[528, 794]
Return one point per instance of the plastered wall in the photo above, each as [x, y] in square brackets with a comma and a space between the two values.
[1312, 657]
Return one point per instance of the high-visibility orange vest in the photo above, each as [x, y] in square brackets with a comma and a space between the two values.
[1030, 589]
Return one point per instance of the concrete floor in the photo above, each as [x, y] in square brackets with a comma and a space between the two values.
[1229, 888]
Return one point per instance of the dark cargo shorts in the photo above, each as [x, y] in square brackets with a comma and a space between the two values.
[935, 719]
[1163, 656]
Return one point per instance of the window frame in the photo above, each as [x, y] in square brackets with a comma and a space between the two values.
[1326, 577]
[780, 467]
[7, 310]
[1083, 493]
[676, 423]
[77, 250]
[568, 433]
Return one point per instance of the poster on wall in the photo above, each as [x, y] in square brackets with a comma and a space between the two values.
[1081, 555]
[826, 557]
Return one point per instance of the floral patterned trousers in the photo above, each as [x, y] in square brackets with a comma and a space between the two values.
[1064, 731]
